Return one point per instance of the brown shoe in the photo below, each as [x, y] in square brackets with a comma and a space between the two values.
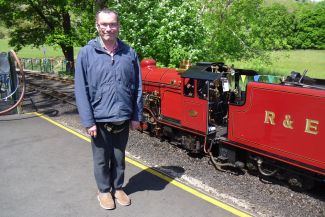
[122, 198]
[106, 200]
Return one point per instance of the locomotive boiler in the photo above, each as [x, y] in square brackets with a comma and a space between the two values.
[263, 123]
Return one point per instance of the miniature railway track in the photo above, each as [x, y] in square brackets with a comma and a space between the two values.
[52, 86]
[49, 77]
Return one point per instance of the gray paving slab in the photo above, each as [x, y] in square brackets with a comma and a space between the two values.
[46, 171]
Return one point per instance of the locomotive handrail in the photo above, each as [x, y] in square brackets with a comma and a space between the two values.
[22, 75]
[295, 84]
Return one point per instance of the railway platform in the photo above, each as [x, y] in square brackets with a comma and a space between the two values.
[46, 170]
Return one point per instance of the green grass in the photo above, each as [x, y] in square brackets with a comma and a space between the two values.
[30, 52]
[284, 62]
[299, 60]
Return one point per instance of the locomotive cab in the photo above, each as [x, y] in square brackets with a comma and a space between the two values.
[215, 85]
[201, 91]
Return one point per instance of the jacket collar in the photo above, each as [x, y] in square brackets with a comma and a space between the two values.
[99, 45]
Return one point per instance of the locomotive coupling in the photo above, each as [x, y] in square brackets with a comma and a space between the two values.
[264, 172]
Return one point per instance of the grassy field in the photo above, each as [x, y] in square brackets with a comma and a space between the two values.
[284, 61]
[29, 52]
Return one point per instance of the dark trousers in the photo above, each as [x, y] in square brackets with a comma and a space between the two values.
[109, 157]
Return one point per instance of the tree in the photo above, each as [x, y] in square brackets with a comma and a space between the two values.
[167, 30]
[48, 22]
[273, 27]
[170, 30]
[309, 32]
[229, 25]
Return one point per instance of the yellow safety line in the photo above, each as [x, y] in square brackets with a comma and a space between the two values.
[160, 175]
[61, 126]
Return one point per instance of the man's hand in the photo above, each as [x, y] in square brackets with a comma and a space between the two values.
[134, 125]
[92, 131]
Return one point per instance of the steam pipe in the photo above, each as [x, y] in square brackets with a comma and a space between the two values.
[218, 165]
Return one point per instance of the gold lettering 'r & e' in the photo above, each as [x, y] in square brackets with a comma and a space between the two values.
[311, 126]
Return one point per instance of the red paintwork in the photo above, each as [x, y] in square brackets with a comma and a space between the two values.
[168, 84]
[198, 122]
[148, 63]
[154, 78]
[295, 146]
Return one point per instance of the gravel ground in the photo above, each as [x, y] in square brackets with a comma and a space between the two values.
[244, 191]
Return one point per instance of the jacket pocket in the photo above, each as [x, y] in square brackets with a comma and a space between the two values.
[106, 106]
[97, 99]
[126, 100]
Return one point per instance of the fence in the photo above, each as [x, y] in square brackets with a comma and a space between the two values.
[47, 65]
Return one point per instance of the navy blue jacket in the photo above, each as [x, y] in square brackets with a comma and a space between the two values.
[108, 89]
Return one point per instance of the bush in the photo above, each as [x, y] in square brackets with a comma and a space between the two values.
[310, 27]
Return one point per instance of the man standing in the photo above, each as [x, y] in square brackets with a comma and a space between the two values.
[108, 91]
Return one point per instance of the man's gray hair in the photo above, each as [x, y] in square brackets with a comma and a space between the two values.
[107, 11]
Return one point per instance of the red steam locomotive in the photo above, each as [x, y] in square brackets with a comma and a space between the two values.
[270, 125]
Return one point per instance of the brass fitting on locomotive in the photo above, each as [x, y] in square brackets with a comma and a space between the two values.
[184, 65]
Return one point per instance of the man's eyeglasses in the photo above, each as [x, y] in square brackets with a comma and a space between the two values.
[110, 25]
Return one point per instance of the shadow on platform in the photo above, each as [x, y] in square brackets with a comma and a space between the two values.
[139, 182]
